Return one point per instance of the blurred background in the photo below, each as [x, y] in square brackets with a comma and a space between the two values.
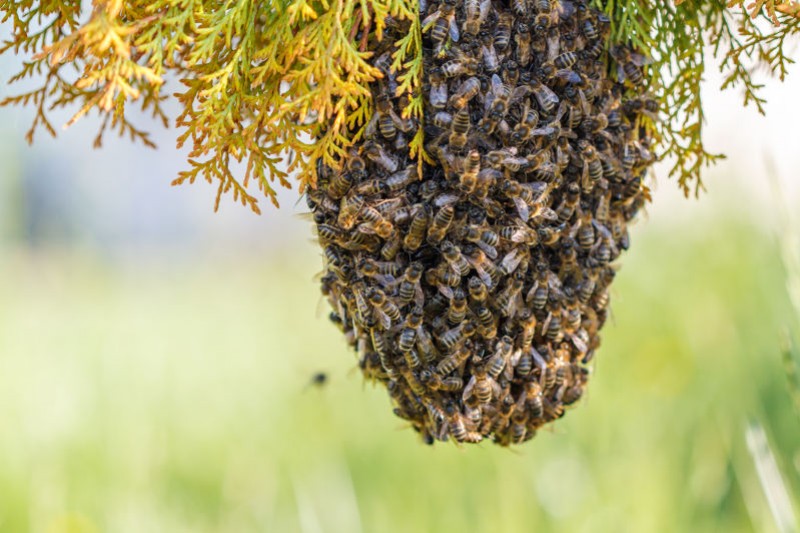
[156, 360]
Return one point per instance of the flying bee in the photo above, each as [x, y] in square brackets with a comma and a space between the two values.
[458, 307]
[629, 64]
[523, 39]
[491, 63]
[452, 254]
[349, 209]
[468, 179]
[375, 153]
[566, 208]
[485, 239]
[465, 92]
[502, 32]
[487, 327]
[451, 338]
[416, 231]
[459, 129]
[476, 12]
[481, 385]
[442, 23]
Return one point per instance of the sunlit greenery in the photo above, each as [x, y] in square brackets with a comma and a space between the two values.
[163, 399]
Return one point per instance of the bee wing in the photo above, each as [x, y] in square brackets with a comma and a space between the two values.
[384, 319]
[403, 125]
[602, 229]
[578, 342]
[511, 261]
[490, 251]
[484, 9]
[543, 93]
[547, 214]
[519, 93]
[497, 84]
[429, 21]
[548, 130]
[454, 33]
[553, 42]
[522, 209]
[640, 60]
[620, 73]
[546, 322]
[468, 389]
[564, 8]
[446, 291]
[568, 75]
[538, 360]
[529, 296]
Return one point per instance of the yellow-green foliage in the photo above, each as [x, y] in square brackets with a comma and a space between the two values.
[264, 82]
[287, 81]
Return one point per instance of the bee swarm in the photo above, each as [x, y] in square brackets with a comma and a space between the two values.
[476, 292]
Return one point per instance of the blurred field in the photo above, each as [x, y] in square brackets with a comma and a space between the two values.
[170, 395]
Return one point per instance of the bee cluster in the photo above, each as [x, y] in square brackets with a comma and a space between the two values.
[476, 291]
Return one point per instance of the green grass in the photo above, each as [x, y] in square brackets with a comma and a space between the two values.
[172, 397]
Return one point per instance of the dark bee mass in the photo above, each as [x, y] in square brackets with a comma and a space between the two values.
[475, 292]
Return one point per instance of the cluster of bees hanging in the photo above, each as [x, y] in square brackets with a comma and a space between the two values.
[475, 293]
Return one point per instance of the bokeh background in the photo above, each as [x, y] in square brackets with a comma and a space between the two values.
[155, 361]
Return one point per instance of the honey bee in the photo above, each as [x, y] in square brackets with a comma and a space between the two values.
[509, 301]
[452, 254]
[377, 223]
[477, 290]
[525, 196]
[480, 385]
[542, 6]
[401, 179]
[523, 39]
[540, 291]
[382, 349]
[435, 382]
[459, 129]
[491, 62]
[453, 360]
[388, 312]
[348, 211]
[592, 166]
[501, 356]
[565, 60]
[476, 12]
[525, 127]
[534, 400]
[451, 338]
[383, 272]
[502, 32]
[437, 95]
[603, 202]
[487, 327]
[416, 231]
[547, 99]
[519, 234]
[629, 65]
[391, 247]
[456, 427]
[442, 23]
[468, 179]
[411, 378]
[497, 102]
[465, 92]
[528, 324]
[572, 197]
[458, 307]
[409, 287]
[461, 64]
[519, 429]
[551, 328]
[486, 269]
[375, 153]
[440, 224]
[485, 239]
